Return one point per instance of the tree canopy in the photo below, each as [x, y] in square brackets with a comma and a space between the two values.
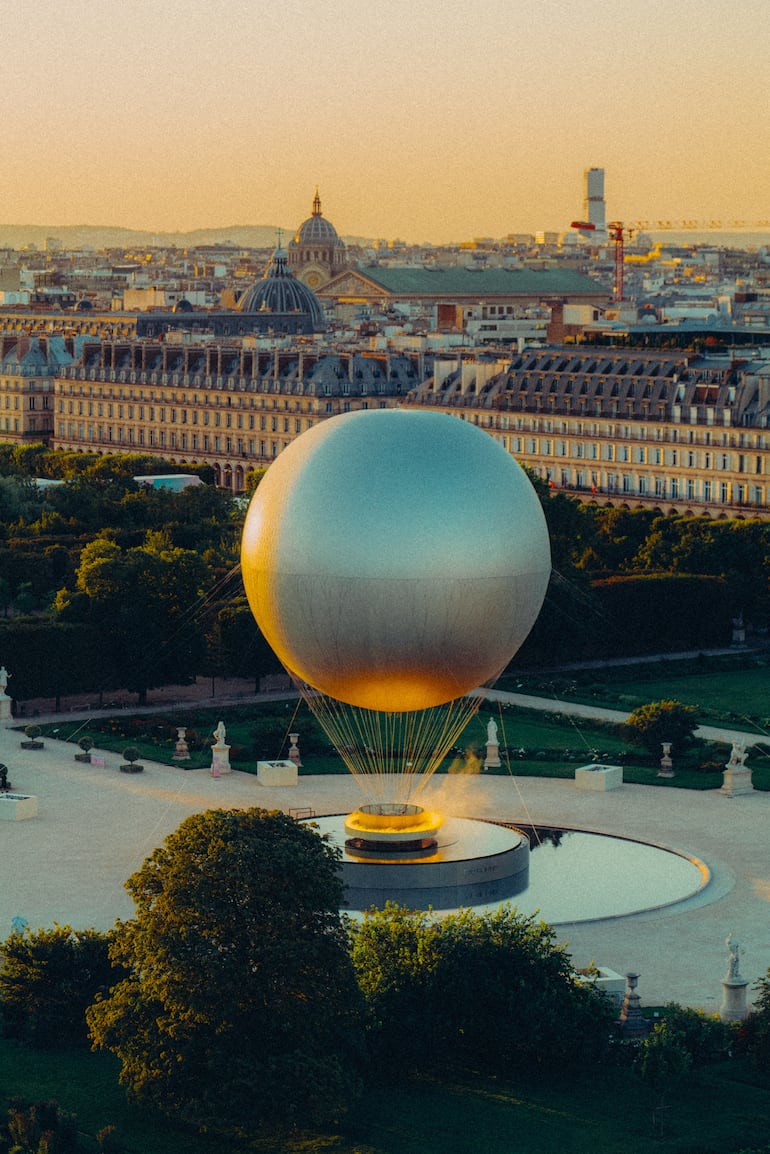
[490, 992]
[652, 724]
[241, 1006]
[48, 978]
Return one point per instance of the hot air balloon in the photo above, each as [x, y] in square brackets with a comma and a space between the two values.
[395, 560]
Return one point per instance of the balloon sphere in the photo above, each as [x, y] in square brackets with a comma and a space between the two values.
[395, 559]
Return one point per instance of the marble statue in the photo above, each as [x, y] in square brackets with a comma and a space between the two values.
[733, 963]
[737, 755]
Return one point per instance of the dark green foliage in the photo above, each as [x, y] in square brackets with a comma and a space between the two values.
[241, 1006]
[754, 1032]
[662, 614]
[663, 1058]
[738, 551]
[612, 538]
[659, 721]
[41, 1128]
[705, 1038]
[245, 651]
[48, 979]
[49, 657]
[490, 993]
[164, 582]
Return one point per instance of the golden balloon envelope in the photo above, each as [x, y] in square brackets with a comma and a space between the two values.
[395, 559]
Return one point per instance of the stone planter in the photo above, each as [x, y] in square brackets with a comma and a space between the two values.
[611, 984]
[84, 757]
[131, 767]
[599, 777]
[17, 807]
[30, 744]
[277, 773]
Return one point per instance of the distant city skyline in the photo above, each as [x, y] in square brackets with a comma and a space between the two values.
[430, 123]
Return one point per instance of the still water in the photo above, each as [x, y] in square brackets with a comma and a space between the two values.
[576, 876]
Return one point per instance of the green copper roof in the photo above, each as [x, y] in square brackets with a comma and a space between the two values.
[484, 283]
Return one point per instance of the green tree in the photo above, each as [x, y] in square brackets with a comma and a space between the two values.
[706, 1038]
[143, 600]
[617, 536]
[252, 479]
[491, 992]
[663, 1058]
[18, 498]
[650, 725]
[48, 979]
[241, 1006]
[737, 551]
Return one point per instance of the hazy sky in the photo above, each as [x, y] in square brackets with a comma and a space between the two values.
[431, 120]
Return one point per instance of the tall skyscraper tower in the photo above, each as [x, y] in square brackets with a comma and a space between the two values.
[593, 198]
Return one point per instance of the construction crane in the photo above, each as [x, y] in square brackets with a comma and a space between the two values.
[617, 233]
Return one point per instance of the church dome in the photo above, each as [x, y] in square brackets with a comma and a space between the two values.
[316, 253]
[279, 291]
[317, 229]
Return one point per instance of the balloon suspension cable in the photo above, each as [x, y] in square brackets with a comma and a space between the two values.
[290, 726]
[392, 755]
[513, 777]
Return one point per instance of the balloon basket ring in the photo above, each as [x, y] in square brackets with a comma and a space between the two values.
[392, 827]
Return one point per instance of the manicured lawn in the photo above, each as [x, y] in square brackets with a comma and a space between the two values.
[608, 1111]
[86, 1085]
[725, 690]
[547, 745]
[604, 1111]
[538, 743]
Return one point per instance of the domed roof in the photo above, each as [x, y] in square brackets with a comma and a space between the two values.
[183, 306]
[316, 229]
[279, 291]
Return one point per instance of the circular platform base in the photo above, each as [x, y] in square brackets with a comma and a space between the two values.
[574, 876]
[473, 863]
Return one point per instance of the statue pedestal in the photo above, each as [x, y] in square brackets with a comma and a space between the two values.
[736, 780]
[5, 707]
[633, 1023]
[492, 759]
[220, 760]
[733, 1008]
[181, 749]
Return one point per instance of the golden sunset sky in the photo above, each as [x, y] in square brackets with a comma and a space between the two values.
[418, 119]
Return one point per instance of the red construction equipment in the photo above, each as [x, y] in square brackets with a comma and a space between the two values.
[617, 233]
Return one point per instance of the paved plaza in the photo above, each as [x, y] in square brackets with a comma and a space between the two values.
[96, 825]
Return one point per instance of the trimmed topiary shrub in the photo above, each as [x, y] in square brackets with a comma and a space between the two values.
[33, 733]
[86, 744]
[131, 760]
